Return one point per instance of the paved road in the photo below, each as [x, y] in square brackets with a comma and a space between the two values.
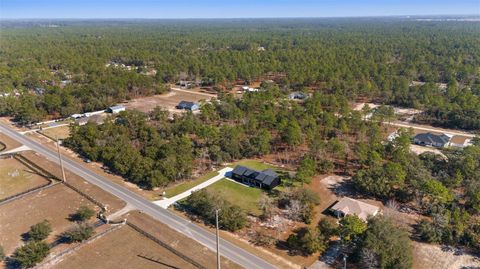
[228, 250]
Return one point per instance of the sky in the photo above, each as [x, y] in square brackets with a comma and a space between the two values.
[231, 8]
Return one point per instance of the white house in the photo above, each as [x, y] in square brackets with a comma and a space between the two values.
[116, 109]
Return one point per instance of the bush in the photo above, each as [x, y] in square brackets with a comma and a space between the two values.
[40, 231]
[80, 233]
[306, 241]
[264, 240]
[204, 204]
[84, 213]
[30, 254]
[328, 227]
[428, 232]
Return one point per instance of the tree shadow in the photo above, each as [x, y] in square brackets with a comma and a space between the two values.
[157, 261]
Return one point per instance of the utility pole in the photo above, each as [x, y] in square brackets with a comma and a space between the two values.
[61, 162]
[344, 261]
[218, 239]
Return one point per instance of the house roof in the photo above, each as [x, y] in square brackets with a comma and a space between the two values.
[349, 206]
[433, 138]
[117, 107]
[265, 177]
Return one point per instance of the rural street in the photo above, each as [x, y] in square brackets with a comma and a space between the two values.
[228, 250]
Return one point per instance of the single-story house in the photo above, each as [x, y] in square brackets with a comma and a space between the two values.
[266, 179]
[188, 105]
[349, 206]
[431, 139]
[97, 119]
[115, 109]
[458, 141]
[298, 95]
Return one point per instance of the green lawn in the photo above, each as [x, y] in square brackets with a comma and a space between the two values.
[172, 191]
[238, 194]
[254, 164]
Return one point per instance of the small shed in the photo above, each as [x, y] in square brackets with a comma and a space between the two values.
[188, 105]
[115, 109]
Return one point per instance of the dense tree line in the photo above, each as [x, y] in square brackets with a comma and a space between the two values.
[375, 58]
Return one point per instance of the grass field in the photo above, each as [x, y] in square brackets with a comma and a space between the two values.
[172, 191]
[61, 132]
[254, 164]
[239, 194]
[16, 178]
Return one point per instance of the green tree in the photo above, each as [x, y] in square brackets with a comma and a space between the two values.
[78, 234]
[84, 213]
[390, 244]
[40, 231]
[31, 253]
[307, 241]
[351, 227]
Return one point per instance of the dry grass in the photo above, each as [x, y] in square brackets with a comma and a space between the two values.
[9, 143]
[61, 132]
[15, 178]
[121, 249]
[167, 101]
[432, 256]
[54, 204]
[179, 242]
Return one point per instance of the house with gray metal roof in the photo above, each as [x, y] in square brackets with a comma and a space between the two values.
[266, 179]
[433, 140]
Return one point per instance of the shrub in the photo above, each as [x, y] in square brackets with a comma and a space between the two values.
[30, 254]
[80, 233]
[84, 213]
[40, 231]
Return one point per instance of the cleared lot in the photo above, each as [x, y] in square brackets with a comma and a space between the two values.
[167, 101]
[123, 248]
[54, 204]
[15, 177]
[61, 132]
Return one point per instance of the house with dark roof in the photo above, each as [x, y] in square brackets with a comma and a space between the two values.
[188, 105]
[297, 96]
[266, 179]
[433, 140]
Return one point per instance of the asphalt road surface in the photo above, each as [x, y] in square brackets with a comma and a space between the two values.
[206, 238]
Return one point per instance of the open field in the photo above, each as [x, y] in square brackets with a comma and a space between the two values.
[123, 248]
[179, 242]
[54, 204]
[167, 101]
[61, 132]
[15, 177]
[177, 189]
[239, 194]
[254, 164]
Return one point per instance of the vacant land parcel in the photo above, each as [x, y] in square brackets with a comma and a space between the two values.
[167, 101]
[54, 204]
[15, 177]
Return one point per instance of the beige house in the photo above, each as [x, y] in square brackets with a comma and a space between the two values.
[349, 206]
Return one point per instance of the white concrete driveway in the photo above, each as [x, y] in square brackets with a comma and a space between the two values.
[165, 203]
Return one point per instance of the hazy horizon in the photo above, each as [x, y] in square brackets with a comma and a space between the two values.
[216, 9]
